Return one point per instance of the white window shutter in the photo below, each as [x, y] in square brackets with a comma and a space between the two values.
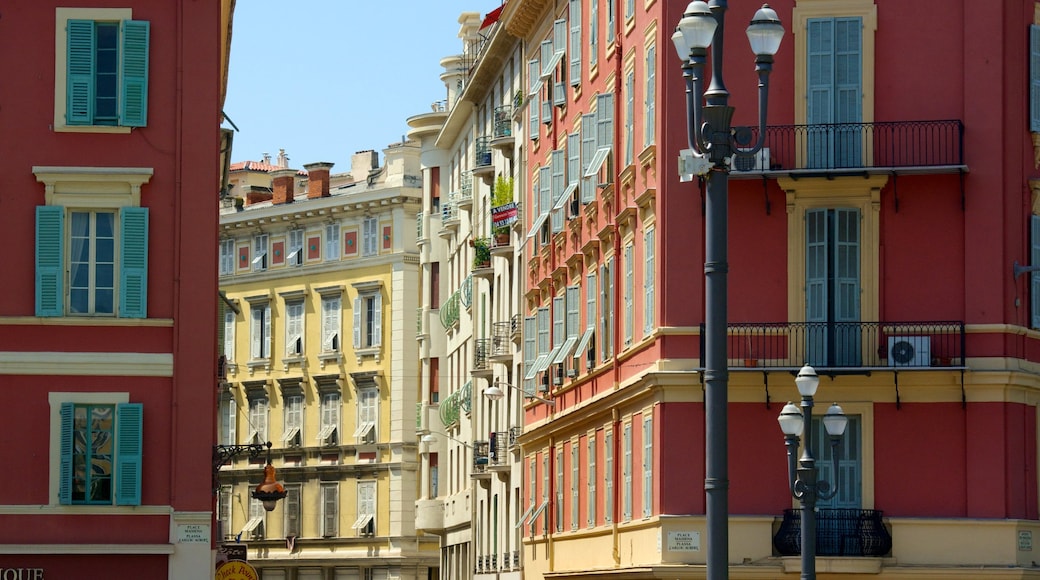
[256, 332]
[377, 323]
[267, 331]
[357, 322]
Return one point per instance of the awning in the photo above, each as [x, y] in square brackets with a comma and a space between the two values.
[363, 429]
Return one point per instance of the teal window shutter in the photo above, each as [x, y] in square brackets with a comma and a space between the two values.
[128, 453]
[1034, 277]
[50, 228]
[1034, 78]
[133, 110]
[847, 337]
[65, 450]
[133, 262]
[79, 82]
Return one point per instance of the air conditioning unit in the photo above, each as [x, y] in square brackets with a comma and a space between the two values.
[909, 351]
[760, 162]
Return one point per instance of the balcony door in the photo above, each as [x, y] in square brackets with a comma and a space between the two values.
[834, 93]
[850, 464]
[832, 287]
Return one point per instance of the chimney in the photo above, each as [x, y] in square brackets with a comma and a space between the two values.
[283, 159]
[283, 185]
[267, 158]
[362, 163]
[256, 194]
[318, 179]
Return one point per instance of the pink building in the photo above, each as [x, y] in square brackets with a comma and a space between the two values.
[108, 334]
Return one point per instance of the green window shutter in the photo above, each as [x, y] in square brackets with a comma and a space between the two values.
[65, 464]
[129, 439]
[134, 102]
[79, 81]
[50, 252]
[816, 294]
[1034, 78]
[847, 338]
[133, 262]
[1034, 277]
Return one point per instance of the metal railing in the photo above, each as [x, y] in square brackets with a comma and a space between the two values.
[839, 532]
[465, 195]
[499, 448]
[849, 146]
[420, 226]
[897, 345]
[480, 456]
[483, 152]
[503, 125]
[450, 210]
[501, 339]
[480, 354]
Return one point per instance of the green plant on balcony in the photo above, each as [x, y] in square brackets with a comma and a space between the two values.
[501, 194]
[481, 253]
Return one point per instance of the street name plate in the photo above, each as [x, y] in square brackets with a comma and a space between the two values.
[684, 541]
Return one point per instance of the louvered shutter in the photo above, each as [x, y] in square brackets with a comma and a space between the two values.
[267, 331]
[588, 150]
[559, 173]
[846, 287]
[1034, 79]
[848, 91]
[377, 320]
[816, 290]
[79, 97]
[650, 96]
[50, 252]
[134, 102]
[574, 16]
[629, 294]
[820, 90]
[1034, 277]
[129, 439]
[255, 332]
[648, 281]
[65, 451]
[357, 322]
[133, 262]
[604, 120]
[330, 509]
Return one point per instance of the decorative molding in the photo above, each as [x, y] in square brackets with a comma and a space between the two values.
[120, 364]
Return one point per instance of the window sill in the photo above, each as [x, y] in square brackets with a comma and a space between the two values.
[326, 357]
[293, 360]
[374, 352]
[263, 364]
[93, 129]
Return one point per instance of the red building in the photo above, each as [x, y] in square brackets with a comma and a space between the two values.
[874, 238]
[110, 122]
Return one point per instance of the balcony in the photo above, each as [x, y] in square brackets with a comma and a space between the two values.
[482, 166]
[499, 459]
[839, 532]
[481, 366]
[429, 515]
[502, 244]
[449, 311]
[501, 349]
[850, 346]
[502, 131]
[420, 228]
[935, 146]
[449, 216]
[464, 198]
[515, 328]
[480, 460]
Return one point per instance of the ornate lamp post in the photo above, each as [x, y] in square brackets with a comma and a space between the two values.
[712, 144]
[268, 491]
[804, 484]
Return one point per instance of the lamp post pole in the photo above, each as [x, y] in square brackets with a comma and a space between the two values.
[804, 482]
[712, 143]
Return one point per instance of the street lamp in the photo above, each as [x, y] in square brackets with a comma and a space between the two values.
[268, 491]
[712, 144]
[495, 393]
[803, 480]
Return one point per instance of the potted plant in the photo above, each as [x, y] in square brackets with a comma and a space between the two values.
[481, 253]
[502, 194]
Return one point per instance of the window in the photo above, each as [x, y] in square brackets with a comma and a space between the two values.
[260, 252]
[227, 256]
[100, 453]
[228, 419]
[331, 306]
[571, 303]
[606, 315]
[106, 255]
[834, 87]
[254, 527]
[610, 21]
[649, 96]
[630, 9]
[292, 429]
[260, 331]
[629, 294]
[630, 116]
[229, 335]
[1034, 277]
[590, 481]
[593, 32]
[368, 318]
[574, 15]
[1034, 78]
[588, 151]
[329, 409]
[626, 472]
[295, 255]
[575, 471]
[330, 509]
[291, 511]
[530, 352]
[368, 414]
[559, 188]
[294, 328]
[648, 464]
[534, 80]
[832, 287]
[365, 524]
[545, 495]
[649, 271]
[257, 420]
[558, 512]
[586, 346]
[102, 69]
[224, 512]
[370, 235]
[608, 475]
[331, 242]
[850, 463]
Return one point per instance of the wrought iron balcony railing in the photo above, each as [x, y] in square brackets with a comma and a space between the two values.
[480, 355]
[480, 457]
[838, 147]
[836, 345]
[503, 122]
[499, 448]
[839, 532]
[483, 152]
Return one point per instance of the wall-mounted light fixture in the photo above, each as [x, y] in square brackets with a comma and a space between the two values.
[269, 491]
[496, 393]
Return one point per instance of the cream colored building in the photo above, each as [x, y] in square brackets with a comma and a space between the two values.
[322, 283]
[469, 332]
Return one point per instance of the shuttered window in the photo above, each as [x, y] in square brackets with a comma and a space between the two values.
[107, 73]
[100, 454]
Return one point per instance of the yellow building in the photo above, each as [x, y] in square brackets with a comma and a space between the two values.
[319, 279]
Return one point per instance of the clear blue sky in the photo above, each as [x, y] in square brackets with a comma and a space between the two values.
[325, 78]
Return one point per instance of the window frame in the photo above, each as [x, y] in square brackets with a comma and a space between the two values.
[330, 509]
[293, 416]
[292, 510]
[227, 256]
[368, 318]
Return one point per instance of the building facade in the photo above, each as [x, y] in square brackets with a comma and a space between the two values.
[469, 333]
[107, 331]
[320, 284]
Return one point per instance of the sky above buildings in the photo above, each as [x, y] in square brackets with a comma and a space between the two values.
[323, 79]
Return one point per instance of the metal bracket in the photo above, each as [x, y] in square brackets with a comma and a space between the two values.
[1018, 269]
[765, 194]
[898, 403]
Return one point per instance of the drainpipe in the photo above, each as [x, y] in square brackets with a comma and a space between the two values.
[550, 552]
[619, 82]
[615, 537]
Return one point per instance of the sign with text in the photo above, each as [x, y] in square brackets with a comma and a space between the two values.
[193, 533]
[503, 215]
[236, 570]
[684, 541]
